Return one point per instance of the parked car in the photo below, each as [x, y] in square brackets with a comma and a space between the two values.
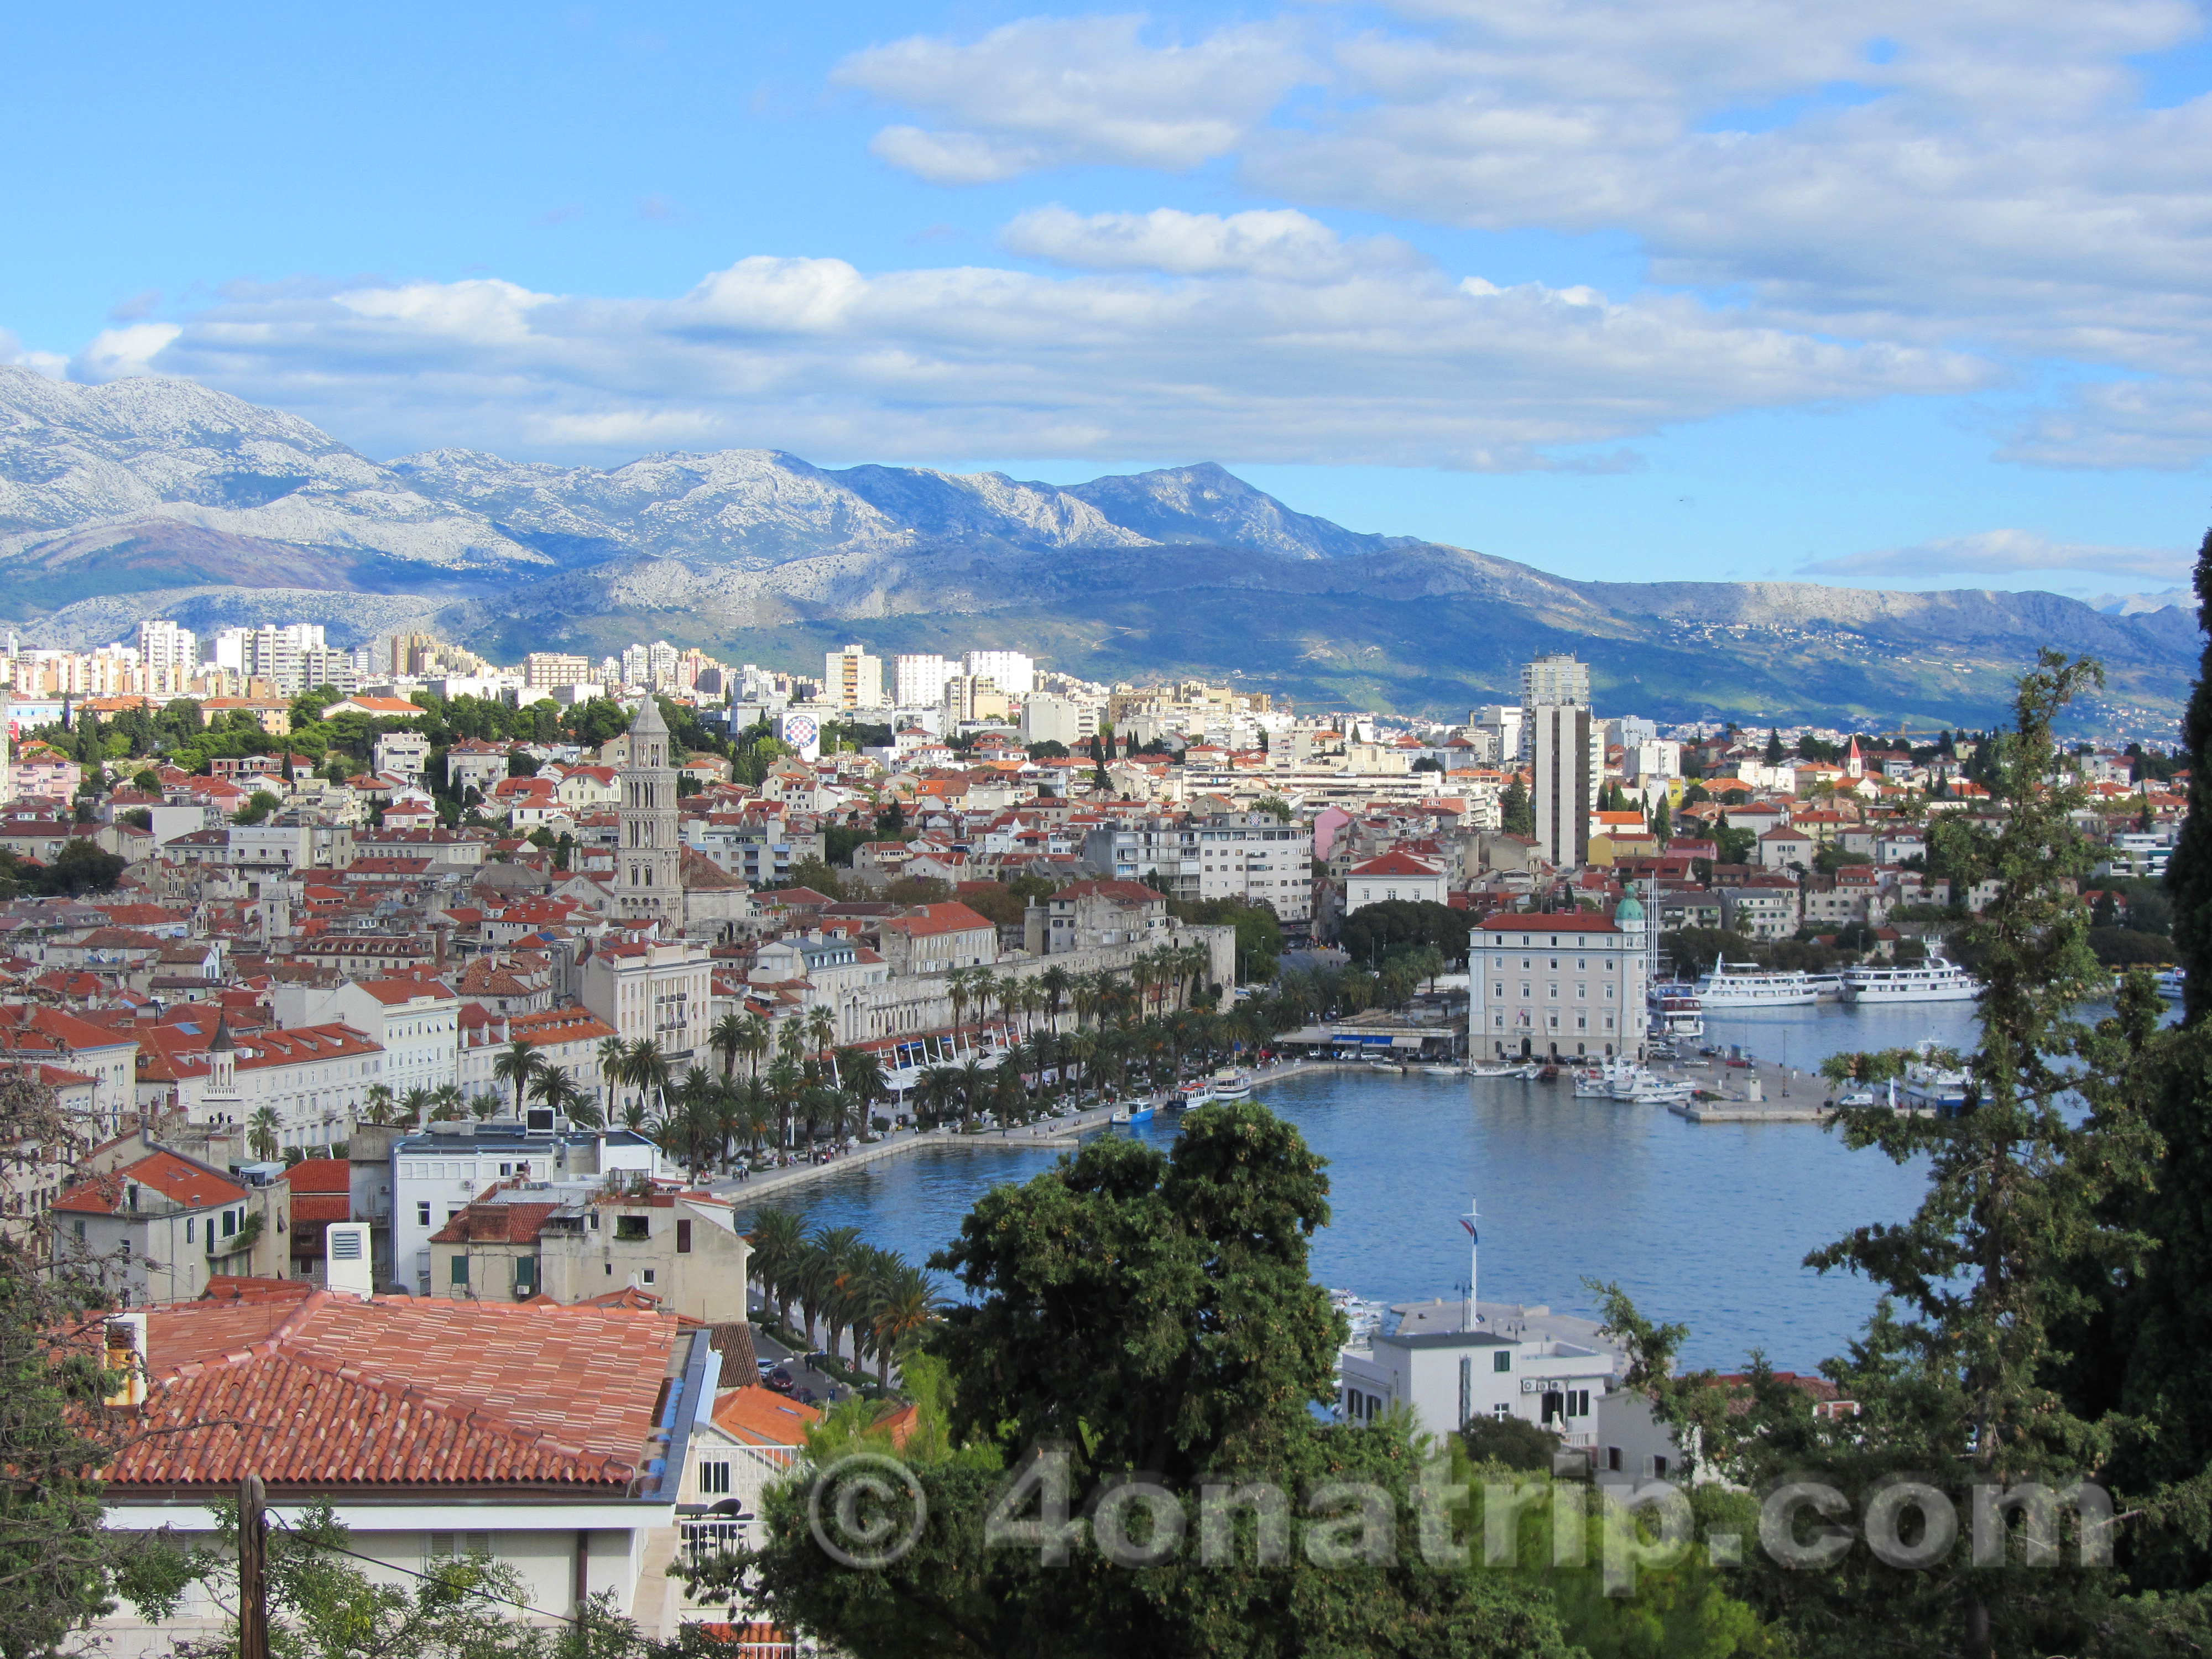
[780, 1380]
[1857, 1097]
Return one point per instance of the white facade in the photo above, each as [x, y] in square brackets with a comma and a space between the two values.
[434, 1175]
[416, 1024]
[1048, 719]
[1518, 1362]
[1570, 986]
[658, 991]
[1009, 671]
[919, 681]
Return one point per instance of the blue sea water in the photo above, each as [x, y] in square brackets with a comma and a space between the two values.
[1706, 1225]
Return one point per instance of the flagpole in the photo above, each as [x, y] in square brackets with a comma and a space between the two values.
[1473, 1256]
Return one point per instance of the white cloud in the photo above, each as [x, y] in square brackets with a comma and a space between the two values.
[1047, 92]
[1948, 172]
[15, 355]
[1277, 243]
[2004, 553]
[117, 352]
[1381, 359]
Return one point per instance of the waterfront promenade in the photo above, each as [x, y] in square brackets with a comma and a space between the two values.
[1061, 1132]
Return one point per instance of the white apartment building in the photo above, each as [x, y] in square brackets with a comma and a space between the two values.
[1009, 671]
[436, 1173]
[171, 655]
[1559, 986]
[919, 681]
[654, 991]
[314, 1078]
[543, 670]
[1250, 856]
[852, 678]
[416, 1022]
[1049, 718]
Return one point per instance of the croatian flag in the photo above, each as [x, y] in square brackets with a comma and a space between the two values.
[1469, 1225]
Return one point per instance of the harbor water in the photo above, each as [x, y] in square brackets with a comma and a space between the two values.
[1705, 1226]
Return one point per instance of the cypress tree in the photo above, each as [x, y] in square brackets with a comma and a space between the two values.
[2189, 874]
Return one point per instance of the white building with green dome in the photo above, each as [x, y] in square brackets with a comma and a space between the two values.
[1559, 986]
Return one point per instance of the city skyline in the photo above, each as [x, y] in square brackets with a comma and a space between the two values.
[1919, 382]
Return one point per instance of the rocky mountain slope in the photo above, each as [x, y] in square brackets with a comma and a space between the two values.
[154, 495]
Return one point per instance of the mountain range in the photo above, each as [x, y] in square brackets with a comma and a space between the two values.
[154, 496]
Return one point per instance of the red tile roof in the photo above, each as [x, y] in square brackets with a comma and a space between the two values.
[180, 1180]
[930, 919]
[761, 1417]
[329, 1392]
[1545, 921]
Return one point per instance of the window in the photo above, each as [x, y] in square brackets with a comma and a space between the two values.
[714, 1479]
[648, 1275]
[460, 1274]
[1501, 1411]
[445, 1546]
[423, 1214]
[1502, 1360]
[1658, 1468]
[191, 1225]
[230, 1223]
[632, 1227]
[683, 1238]
[525, 1275]
[1613, 1459]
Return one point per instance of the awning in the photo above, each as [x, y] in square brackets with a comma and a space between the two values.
[1405, 1043]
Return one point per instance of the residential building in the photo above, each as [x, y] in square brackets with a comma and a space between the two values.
[574, 1241]
[919, 680]
[654, 991]
[437, 1173]
[1394, 877]
[155, 1229]
[852, 678]
[553, 1440]
[1013, 673]
[416, 1022]
[542, 671]
[1568, 772]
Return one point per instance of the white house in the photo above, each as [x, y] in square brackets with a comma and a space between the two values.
[1560, 986]
[1394, 876]
[1548, 1369]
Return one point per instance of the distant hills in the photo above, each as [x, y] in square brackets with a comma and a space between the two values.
[150, 496]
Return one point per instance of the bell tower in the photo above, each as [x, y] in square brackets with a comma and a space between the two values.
[648, 863]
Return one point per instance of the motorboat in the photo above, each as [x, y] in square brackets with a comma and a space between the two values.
[1230, 1084]
[1747, 985]
[1132, 1111]
[1677, 1011]
[1934, 981]
[1195, 1094]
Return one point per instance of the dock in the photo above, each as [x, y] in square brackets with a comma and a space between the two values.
[1760, 1092]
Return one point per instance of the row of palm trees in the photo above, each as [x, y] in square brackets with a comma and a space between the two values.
[875, 1297]
[1169, 973]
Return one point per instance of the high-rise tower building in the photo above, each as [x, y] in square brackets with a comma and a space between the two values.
[1562, 737]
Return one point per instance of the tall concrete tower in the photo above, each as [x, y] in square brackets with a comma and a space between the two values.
[648, 863]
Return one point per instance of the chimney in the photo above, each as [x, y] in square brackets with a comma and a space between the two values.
[347, 1267]
[125, 1343]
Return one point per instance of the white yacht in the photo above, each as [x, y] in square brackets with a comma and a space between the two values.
[1934, 981]
[1231, 1084]
[1747, 985]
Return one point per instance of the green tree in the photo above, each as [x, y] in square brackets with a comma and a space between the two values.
[1147, 1313]
[1516, 814]
[518, 1065]
[60, 1568]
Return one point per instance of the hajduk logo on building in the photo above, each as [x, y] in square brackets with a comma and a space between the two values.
[802, 732]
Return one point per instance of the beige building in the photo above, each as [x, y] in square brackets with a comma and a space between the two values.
[570, 1241]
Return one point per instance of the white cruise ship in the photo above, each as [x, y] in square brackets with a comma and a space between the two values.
[1934, 981]
[1747, 985]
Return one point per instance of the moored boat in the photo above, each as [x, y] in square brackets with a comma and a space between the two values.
[1747, 985]
[1934, 981]
[1230, 1084]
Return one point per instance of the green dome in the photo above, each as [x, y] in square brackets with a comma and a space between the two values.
[1628, 910]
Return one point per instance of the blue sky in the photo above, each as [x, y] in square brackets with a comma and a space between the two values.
[1897, 294]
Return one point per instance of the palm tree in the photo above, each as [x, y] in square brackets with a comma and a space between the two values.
[821, 1030]
[757, 1039]
[1056, 982]
[905, 1305]
[754, 1113]
[263, 1133]
[785, 1081]
[416, 1103]
[647, 1069]
[935, 1093]
[1079, 1048]
[973, 1080]
[836, 1259]
[565, 1097]
[862, 1071]
[727, 1039]
[956, 987]
[377, 1106]
[518, 1066]
[1034, 999]
[613, 1056]
[778, 1238]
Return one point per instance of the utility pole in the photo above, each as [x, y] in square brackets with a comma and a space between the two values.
[252, 1578]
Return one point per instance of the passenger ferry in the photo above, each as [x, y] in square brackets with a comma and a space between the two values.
[1230, 1084]
[1747, 985]
[1936, 981]
[1194, 1093]
[1676, 1012]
